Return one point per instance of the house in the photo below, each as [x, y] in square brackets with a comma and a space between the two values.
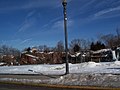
[27, 58]
[41, 58]
[101, 55]
[8, 59]
[74, 58]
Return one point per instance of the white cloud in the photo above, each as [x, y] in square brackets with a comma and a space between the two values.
[25, 41]
[10, 42]
[60, 24]
[24, 27]
[29, 4]
[30, 14]
[50, 22]
[28, 22]
[100, 13]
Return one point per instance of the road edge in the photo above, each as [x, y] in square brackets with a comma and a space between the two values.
[60, 86]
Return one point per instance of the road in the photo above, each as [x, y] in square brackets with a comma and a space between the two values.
[11, 86]
[18, 86]
[28, 87]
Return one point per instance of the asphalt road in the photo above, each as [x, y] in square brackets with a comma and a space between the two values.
[28, 87]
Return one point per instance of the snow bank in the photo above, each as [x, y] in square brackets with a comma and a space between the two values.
[58, 69]
[117, 63]
[104, 74]
[92, 64]
[2, 64]
[99, 80]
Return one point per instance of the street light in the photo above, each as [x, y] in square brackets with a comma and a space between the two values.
[64, 3]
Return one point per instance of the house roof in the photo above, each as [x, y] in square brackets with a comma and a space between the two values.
[31, 56]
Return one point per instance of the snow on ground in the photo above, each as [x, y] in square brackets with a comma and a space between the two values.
[104, 74]
[2, 64]
[58, 69]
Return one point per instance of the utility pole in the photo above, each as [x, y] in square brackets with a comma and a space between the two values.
[64, 3]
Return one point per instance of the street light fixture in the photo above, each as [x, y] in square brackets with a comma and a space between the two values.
[64, 3]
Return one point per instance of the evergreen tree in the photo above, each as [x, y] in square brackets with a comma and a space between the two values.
[76, 48]
[97, 46]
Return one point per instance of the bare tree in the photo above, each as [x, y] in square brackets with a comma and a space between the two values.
[46, 48]
[82, 43]
[60, 46]
[118, 36]
[108, 40]
[6, 50]
[85, 44]
[74, 44]
[41, 48]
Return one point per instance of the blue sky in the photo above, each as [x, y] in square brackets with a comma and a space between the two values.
[25, 23]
